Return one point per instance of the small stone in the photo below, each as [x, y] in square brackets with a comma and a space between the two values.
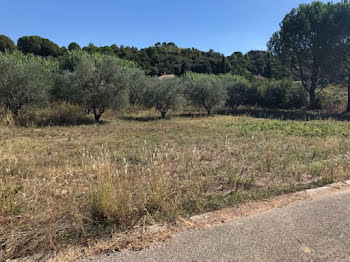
[305, 249]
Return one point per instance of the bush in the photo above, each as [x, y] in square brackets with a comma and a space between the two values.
[272, 94]
[282, 94]
[297, 96]
[326, 99]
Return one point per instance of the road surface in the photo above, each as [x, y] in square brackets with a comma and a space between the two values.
[309, 230]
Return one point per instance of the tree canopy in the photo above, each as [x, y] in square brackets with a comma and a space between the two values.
[6, 44]
[38, 46]
[305, 41]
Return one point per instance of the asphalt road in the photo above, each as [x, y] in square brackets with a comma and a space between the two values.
[309, 230]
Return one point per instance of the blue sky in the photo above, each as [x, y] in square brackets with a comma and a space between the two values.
[223, 25]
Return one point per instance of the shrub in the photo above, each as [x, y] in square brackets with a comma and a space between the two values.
[283, 94]
[297, 97]
[326, 99]
[272, 94]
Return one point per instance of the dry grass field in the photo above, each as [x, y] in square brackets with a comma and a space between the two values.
[60, 186]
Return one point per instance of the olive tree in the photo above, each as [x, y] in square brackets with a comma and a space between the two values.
[22, 84]
[163, 95]
[137, 83]
[99, 84]
[205, 90]
[237, 90]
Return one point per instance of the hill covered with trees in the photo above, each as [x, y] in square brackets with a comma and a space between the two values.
[165, 58]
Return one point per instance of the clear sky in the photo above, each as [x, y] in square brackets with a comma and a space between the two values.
[223, 25]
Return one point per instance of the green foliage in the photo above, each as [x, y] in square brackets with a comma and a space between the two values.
[325, 99]
[38, 46]
[73, 46]
[49, 65]
[137, 83]
[296, 128]
[164, 95]
[237, 90]
[341, 51]
[297, 96]
[22, 83]
[6, 44]
[99, 84]
[305, 40]
[62, 87]
[165, 58]
[281, 94]
[204, 90]
[71, 59]
[256, 62]
[272, 94]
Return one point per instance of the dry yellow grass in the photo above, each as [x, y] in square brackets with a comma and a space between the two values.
[64, 185]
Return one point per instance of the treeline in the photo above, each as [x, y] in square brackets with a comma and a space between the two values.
[312, 46]
[165, 58]
[96, 82]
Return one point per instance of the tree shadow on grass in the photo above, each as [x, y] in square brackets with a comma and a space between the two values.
[143, 119]
[168, 117]
[288, 114]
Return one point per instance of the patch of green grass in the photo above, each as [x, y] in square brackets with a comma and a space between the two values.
[323, 128]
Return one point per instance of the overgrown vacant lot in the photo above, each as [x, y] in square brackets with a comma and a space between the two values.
[63, 185]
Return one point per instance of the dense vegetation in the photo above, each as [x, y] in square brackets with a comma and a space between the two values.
[313, 38]
[61, 186]
[165, 58]
[97, 82]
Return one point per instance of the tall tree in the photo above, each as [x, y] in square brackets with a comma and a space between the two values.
[38, 46]
[73, 46]
[304, 41]
[6, 44]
